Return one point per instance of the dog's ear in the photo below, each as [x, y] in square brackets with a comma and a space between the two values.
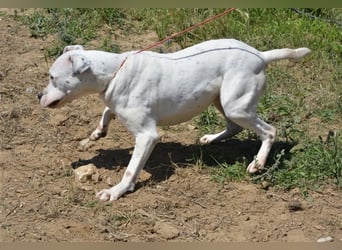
[79, 63]
[72, 47]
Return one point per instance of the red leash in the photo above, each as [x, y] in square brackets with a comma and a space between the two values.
[188, 29]
[179, 33]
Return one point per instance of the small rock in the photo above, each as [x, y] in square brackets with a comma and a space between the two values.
[294, 206]
[265, 185]
[325, 239]
[96, 177]
[31, 90]
[86, 174]
[296, 235]
[297, 148]
[5, 147]
[318, 227]
[109, 181]
[85, 187]
[191, 127]
[59, 119]
[85, 144]
[166, 230]
[37, 237]
[144, 176]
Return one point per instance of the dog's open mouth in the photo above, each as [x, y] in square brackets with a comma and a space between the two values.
[54, 104]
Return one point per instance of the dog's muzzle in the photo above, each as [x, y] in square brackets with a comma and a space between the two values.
[50, 105]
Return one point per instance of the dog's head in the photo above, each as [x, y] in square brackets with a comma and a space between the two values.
[65, 78]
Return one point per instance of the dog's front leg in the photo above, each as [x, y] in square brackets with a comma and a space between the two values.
[145, 143]
[102, 128]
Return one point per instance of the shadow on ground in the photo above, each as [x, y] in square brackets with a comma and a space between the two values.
[168, 156]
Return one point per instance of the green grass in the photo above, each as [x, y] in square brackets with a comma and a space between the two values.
[312, 164]
[299, 94]
[210, 121]
[72, 26]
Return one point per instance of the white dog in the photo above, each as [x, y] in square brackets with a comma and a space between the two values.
[151, 89]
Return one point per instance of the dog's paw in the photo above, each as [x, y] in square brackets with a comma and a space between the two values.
[114, 193]
[254, 167]
[107, 195]
[206, 139]
[97, 134]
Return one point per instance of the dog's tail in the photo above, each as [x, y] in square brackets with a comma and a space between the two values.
[279, 54]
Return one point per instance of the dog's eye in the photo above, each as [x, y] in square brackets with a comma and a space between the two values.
[51, 77]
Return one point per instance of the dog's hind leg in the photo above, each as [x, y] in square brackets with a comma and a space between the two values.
[240, 107]
[232, 128]
[102, 128]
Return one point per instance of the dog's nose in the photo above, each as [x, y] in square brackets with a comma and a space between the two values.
[40, 95]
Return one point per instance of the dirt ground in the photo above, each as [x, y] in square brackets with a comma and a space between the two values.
[174, 200]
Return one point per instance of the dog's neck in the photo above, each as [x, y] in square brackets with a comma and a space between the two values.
[104, 66]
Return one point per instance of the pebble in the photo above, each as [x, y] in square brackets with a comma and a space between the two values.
[85, 172]
[265, 185]
[85, 144]
[31, 90]
[144, 176]
[166, 230]
[85, 175]
[325, 239]
[59, 119]
[5, 147]
[294, 206]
